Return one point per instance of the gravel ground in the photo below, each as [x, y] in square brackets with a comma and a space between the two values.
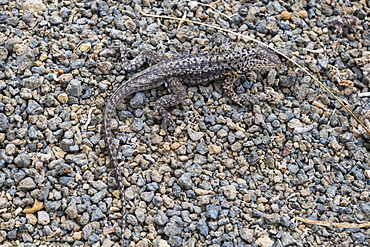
[227, 176]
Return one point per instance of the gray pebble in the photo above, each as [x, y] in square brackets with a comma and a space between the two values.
[137, 124]
[25, 60]
[33, 133]
[293, 168]
[93, 239]
[12, 234]
[331, 191]
[365, 208]
[147, 196]
[87, 231]
[34, 108]
[65, 144]
[174, 227]
[22, 160]
[99, 185]
[74, 148]
[26, 237]
[175, 241]
[185, 181]
[346, 137]
[78, 159]
[130, 25]
[261, 26]
[43, 218]
[39, 70]
[127, 151]
[71, 211]
[18, 176]
[202, 148]
[27, 184]
[271, 219]
[194, 136]
[140, 214]
[157, 201]
[52, 206]
[202, 227]
[3, 122]
[42, 193]
[138, 100]
[97, 197]
[323, 62]
[212, 211]
[152, 186]
[74, 88]
[96, 213]
[285, 221]
[85, 218]
[68, 225]
[287, 239]
[161, 219]
[253, 158]
[66, 181]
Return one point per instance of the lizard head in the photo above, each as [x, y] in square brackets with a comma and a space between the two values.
[255, 59]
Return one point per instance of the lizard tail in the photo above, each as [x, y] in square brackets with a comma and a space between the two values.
[109, 111]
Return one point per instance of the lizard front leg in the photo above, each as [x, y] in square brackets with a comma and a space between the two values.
[228, 86]
[176, 96]
[224, 47]
[149, 57]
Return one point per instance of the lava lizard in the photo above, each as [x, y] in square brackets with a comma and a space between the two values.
[193, 69]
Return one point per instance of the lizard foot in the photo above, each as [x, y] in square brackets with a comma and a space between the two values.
[245, 100]
[168, 123]
[165, 116]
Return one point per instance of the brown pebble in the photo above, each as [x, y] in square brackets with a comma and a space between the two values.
[85, 47]
[62, 98]
[303, 14]
[285, 15]
[214, 149]
[367, 173]
[301, 227]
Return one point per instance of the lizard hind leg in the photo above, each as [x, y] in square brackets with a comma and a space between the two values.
[228, 86]
[176, 96]
[224, 47]
[148, 56]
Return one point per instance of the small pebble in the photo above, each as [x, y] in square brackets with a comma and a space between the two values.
[43, 218]
[85, 47]
[303, 14]
[285, 15]
[27, 184]
[63, 98]
[229, 191]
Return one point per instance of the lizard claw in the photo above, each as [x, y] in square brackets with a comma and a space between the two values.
[167, 122]
[165, 116]
[245, 100]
